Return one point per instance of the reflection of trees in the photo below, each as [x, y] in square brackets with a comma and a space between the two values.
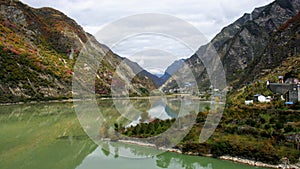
[163, 160]
[105, 149]
[187, 162]
[28, 112]
[118, 148]
[116, 152]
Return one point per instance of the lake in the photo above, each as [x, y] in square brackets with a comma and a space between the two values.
[49, 135]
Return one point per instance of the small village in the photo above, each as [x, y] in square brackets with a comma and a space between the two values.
[287, 89]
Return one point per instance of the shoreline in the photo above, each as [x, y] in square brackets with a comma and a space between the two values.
[43, 101]
[224, 157]
[150, 145]
[78, 100]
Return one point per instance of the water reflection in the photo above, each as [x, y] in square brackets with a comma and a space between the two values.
[118, 113]
[144, 111]
[43, 135]
[158, 110]
[101, 158]
[49, 136]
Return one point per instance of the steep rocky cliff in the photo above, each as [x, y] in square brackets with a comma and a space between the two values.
[243, 42]
[38, 50]
[280, 58]
[284, 45]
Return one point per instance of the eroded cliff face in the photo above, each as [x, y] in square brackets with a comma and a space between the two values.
[244, 41]
[282, 48]
[39, 48]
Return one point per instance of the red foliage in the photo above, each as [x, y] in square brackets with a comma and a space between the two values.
[32, 51]
[5, 49]
[69, 73]
[14, 51]
[8, 24]
[22, 50]
[38, 64]
[153, 120]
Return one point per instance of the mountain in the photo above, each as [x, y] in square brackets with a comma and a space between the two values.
[281, 57]
[173, 68]
[243, 42]
[284, 46]
[158, 81]
[38, 51]
[140, 72]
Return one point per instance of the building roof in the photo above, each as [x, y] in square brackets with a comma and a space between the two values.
[281, 88]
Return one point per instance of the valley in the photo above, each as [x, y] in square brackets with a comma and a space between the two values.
[68, 101]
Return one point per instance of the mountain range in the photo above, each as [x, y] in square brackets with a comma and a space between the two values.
[39, 48]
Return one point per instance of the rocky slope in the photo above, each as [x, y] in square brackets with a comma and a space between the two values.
[283, 46]
[280, 58]
[158, 81]
[245, 41]
[38, 50]
[173, 68]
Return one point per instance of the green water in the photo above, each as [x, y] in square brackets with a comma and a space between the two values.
[48, 135]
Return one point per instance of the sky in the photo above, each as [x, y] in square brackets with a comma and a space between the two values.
[153, 52]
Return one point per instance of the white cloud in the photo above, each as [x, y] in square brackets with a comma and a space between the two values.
[96, 13]
[153, 60]
[207, 16]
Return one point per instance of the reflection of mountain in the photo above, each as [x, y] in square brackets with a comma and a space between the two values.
[161, 111]
[158, 109]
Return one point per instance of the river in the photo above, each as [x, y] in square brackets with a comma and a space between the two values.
[49, 135]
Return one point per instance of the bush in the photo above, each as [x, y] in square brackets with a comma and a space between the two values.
[288, 129]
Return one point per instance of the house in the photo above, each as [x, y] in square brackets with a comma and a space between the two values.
[288, 87]
[255, 97]
[248, 102]
[291, 92]
[261, 98]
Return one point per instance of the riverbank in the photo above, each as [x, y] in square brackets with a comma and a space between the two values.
[97, 98]
[43, 101]
[66, 99]
[227, 158]
[259, 164]
[51, 101]
[151, 145]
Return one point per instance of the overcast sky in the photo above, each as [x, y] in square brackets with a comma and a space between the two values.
[208, 16]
